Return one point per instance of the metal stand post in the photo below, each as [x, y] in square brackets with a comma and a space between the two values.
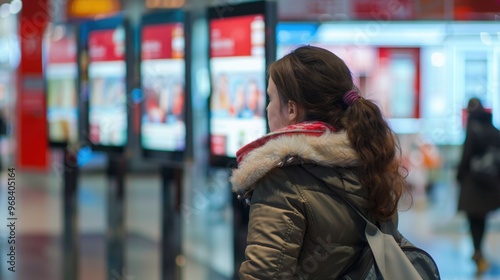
[116, 236]
[171, 226]
[70, 215]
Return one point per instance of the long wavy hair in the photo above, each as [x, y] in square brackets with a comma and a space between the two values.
[316, 80]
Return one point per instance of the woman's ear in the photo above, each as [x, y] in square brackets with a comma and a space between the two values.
[293, 112]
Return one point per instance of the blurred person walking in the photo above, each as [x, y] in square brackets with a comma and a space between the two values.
[478, 196]
[3, 133]
[325, 138]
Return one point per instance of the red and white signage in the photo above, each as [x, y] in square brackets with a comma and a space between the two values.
[238, 36]
[162, 41]
[107, 45]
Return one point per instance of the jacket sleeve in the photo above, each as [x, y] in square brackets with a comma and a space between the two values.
[275, 231]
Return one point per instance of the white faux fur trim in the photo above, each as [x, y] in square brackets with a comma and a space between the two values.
[329, 149]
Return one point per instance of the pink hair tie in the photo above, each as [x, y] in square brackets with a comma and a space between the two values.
[350, 97]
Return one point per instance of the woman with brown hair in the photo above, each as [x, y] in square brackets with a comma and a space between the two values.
[324, 138]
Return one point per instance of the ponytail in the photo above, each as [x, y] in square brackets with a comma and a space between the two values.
[378, 149]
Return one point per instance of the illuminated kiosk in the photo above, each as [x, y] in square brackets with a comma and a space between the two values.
[166, 116]
[107, 49]
[61, 85]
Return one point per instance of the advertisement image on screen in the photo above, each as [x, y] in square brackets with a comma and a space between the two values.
[107, 87]
[163, 84]
[237, 69]
[60, 79]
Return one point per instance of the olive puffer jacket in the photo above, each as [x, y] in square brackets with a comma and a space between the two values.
[299, 228]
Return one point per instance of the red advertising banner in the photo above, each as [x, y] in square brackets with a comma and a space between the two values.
[31, 123]
[476, 10]
[384, 10]
[107, 45]
[232, 36]
[162, 41]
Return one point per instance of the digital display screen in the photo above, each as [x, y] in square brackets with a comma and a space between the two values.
[163, 125]
[107, 87]
[61, 88]
[237, 72]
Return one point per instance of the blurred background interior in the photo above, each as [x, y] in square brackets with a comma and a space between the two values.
[123, 118]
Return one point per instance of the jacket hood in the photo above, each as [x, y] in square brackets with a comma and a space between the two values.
[329, 149]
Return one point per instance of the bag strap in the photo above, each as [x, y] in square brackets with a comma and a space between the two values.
[389, 226]
[389, 258]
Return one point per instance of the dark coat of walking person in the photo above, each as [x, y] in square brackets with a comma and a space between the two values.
[3, 133]
[477, 198]
[324, 137]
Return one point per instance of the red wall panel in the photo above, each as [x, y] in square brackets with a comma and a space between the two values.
[31, 130]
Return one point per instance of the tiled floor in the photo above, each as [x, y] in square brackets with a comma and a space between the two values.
[431, 223]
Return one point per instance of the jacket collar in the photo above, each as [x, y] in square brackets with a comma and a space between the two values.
[328, 149]
[313, 128]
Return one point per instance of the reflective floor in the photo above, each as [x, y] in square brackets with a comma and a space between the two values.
[431, 223]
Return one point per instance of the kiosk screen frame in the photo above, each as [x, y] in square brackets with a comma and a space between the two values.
[60, 75]
[241, 44]
[109, 67]
[164, 79]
